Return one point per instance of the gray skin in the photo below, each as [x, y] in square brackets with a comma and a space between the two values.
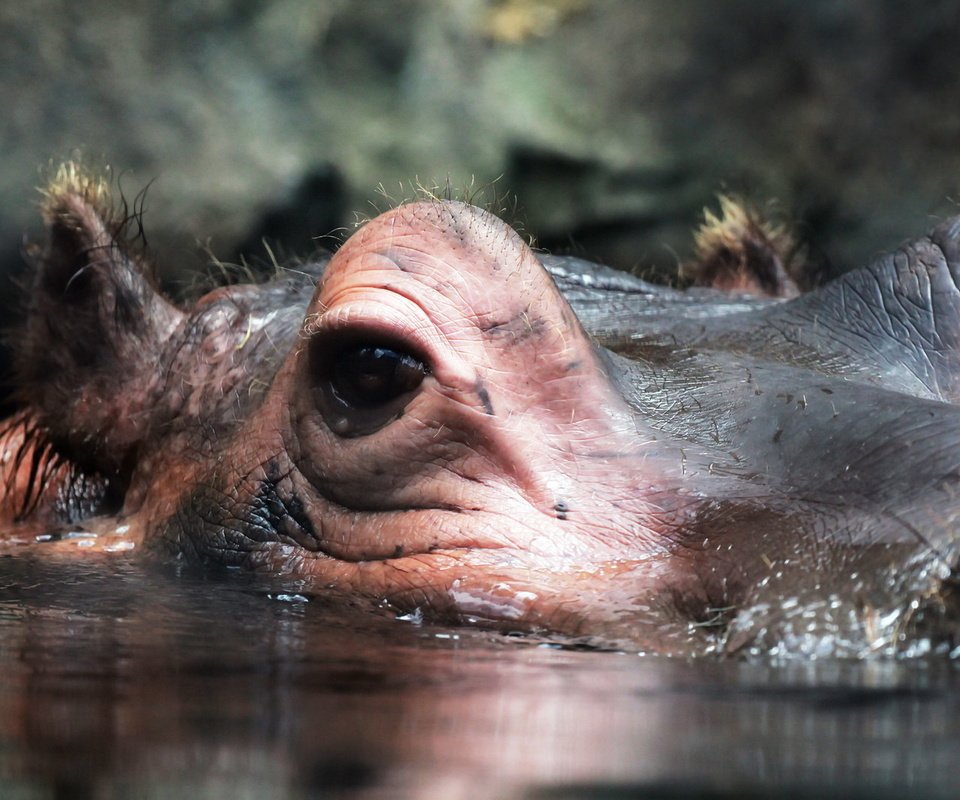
[743, 475]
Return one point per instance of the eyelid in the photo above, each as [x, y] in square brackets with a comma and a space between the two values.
[401, 322]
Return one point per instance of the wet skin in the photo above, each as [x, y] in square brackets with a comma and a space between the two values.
[440, 422]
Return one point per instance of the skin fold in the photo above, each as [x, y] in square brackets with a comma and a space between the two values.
[439, 423]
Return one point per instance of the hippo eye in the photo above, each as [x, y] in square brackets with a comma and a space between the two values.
[364, 385]
[368, 376]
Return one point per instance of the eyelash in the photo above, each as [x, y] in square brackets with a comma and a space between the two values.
[24, 447]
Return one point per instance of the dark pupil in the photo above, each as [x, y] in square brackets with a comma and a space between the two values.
[367, 376]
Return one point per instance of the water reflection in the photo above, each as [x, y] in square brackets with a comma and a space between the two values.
[119, 681]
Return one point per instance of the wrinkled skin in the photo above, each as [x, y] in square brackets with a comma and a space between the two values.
[539, 444]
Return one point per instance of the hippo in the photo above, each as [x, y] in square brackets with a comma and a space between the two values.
[440, 423]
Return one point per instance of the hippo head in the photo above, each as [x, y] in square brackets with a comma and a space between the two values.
[423, 423]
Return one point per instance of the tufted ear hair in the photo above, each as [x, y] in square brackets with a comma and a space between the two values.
[740, 251]
[86, 362]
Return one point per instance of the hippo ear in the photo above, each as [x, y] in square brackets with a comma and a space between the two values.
[95, 326]
[742, 252]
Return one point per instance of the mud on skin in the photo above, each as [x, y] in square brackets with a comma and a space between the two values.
[438, 421]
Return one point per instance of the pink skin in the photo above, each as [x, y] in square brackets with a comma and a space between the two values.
[541, 514]
[423, 275]
[511, 485]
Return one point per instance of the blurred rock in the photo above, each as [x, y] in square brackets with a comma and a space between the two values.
[612, 122]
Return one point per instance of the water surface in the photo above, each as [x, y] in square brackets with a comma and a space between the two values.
[120, 680]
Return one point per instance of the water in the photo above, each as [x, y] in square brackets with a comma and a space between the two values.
[120, 680]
